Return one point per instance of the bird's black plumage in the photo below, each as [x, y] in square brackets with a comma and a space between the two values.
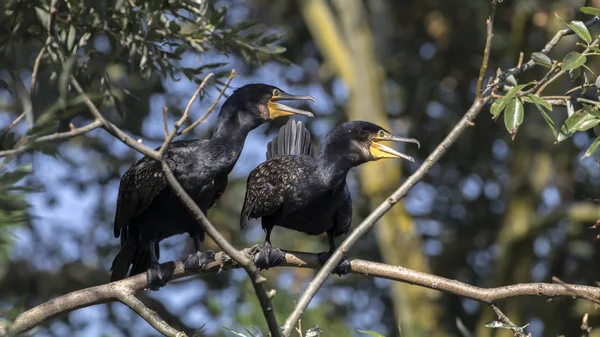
[298, 191]
[148, 210]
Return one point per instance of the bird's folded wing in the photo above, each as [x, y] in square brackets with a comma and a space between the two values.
[139, 186]
[262, 195]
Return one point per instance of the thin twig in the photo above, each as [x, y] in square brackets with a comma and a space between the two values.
[166, 126]
[518, 331]
[547, 48]
[36, 67]
[486, 51]
[52, 20]
[575, 291]
[14, 123]
[106, 292]
[212, 106]
[31, 141]
[181, 120]
[150, 316]
[108, 126]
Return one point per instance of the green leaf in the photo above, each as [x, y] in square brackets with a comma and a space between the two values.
[590, 10]
[513, 116]
[540, 104]
[541, 59]
[71, 38]
[538, 100]
[43, 15]
[592, 148]
[10, 178]
[581, 30]
[65, 76]
[371, 333]
[578, 121]
[235, 332]
[573, 60]
[497, 108]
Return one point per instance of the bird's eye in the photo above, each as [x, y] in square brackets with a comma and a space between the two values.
[276, 92]
[380, 133]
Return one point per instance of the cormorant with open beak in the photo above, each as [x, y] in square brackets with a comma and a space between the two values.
[148, 210]
[295, 190]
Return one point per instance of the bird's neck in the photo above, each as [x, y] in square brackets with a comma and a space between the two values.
[333, 167]
[227, 141]
[232, 128]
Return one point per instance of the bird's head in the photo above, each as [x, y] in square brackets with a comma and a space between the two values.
[264, 102]
[361, 142]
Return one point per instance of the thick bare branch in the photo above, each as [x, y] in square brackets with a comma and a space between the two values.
[108, 292]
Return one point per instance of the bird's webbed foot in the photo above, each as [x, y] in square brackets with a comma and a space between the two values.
[341, 269]
[198, 260]
[269, 257]
[160, 274]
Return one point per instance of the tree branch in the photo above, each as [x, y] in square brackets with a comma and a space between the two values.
[212, 106]
[383, 208]
[547, 48]
[150, 316]
[31, 141]
[109, 292]
[486, 51]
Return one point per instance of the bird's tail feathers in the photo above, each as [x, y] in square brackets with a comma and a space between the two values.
[133, 254]
[293, 138]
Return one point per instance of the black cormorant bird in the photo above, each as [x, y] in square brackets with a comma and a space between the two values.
[295, 190]
[149, 211]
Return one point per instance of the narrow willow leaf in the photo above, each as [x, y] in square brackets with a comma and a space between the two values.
[579, 121]
[590, 10]
[573, 60]
[502, 102]
[513, 116]
[65, 76]
[581, 30]
[592, 148]
[541, 59]
[43, 15]
[495, 108]
[371, 333]
[11, 178]
[539, 103]
[538, 100]
[71, 38]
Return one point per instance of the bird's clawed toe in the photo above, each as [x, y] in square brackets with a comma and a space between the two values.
[341, 269]
[160, 274]
[269, 257]
[198, 260]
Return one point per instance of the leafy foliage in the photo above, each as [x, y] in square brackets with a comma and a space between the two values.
[585, 117]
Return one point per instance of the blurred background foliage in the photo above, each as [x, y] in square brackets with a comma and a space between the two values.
[493, 211]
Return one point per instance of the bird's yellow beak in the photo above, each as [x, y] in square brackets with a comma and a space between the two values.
[277, 110]
[379, 151]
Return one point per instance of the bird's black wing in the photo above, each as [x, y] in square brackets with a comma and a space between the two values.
[343, 215]
[293, 138]
[139, 186]
[142, 182]
[271, 183]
